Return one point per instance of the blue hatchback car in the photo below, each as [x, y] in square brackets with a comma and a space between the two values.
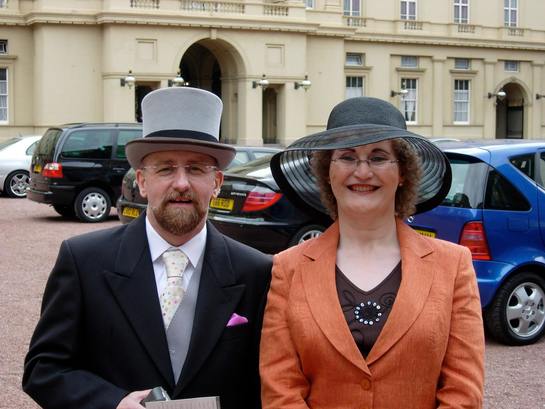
[496, 207]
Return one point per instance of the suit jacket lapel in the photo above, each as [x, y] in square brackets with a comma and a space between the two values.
[218, 297]
[417, 273]
[318, 275]
[133, 284]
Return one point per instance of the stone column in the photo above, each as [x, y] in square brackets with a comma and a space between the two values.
[489, 128]
[250, 111]
[438, 96]
[537, 129]
[118, 101]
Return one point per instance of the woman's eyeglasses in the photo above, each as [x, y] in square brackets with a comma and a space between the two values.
[192, 170]
[374, 162]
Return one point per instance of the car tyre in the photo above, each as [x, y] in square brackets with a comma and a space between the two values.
[516, 315]
[306, 233]
[16, 184]
[64, 211]
[92, 205]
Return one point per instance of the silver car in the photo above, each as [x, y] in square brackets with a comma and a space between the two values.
[15, 156]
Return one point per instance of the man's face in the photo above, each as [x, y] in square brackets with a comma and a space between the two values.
[178, 186]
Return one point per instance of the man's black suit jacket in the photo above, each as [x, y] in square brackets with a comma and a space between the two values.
[101, 335]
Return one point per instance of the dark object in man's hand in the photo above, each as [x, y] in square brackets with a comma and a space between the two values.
[156, 394]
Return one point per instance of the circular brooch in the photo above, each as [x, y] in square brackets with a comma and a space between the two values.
[368, 313]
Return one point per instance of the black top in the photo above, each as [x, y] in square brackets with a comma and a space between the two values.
[367, 311]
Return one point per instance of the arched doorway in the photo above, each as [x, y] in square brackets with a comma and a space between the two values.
[510, 113]
[216, 66]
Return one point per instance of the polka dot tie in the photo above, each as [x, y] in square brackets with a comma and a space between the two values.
[175, 263]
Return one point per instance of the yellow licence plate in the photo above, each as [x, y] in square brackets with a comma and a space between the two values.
[131, 212]
[224, 204]
[426, 233]
[37, 168]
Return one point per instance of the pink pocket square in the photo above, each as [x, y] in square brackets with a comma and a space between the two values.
[237, 320]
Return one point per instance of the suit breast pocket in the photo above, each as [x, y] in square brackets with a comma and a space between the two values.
[235, 332]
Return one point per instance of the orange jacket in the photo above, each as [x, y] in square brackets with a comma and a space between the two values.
[430, 353]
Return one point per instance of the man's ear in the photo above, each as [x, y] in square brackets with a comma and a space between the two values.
[218, 181]
[141, 181]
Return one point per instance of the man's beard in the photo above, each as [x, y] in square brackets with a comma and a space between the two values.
[176, 220]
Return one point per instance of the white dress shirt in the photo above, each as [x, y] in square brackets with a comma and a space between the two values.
[193, 249]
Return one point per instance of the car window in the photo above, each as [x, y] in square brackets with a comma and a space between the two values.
[240, 158]
[88, 144]
[468, 181]
[30, 150]
[525, 163]
[123, 137]
[541, 180]
[502, 195]
[46, 146]
[262, 154]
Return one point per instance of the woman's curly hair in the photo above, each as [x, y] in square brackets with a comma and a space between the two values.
[406, 194]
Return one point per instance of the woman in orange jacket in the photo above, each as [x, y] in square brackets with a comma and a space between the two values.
[370, 314]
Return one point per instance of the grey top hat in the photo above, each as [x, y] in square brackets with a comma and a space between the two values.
[180, 118]
[355, 122]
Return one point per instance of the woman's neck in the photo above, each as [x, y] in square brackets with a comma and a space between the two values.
[367, 233]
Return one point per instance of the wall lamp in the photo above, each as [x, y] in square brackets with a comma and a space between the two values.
[305, 84]
[128, 80]
[499, 94]
[177, 81]
[401, 92]
[539, 96]
[263, 83]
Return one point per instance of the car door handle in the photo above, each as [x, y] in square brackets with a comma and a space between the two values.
[119, 169]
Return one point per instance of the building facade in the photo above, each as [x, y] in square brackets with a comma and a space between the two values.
[455, 68]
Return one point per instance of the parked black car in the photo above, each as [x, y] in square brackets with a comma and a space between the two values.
[78, 168]
[131, 204]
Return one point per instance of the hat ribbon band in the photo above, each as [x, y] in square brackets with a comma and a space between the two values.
[183, 133]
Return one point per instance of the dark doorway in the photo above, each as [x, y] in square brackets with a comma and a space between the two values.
[269, 130]
[510, 113]
[140, 91]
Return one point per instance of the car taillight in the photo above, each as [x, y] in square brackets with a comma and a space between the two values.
[52, 170]
[260, 198]
[474, 238]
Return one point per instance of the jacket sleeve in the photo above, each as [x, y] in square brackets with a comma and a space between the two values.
[283, 384]
[462, 373]
[51, 374]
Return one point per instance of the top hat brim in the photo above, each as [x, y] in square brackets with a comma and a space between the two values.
[136, 150]
[292, 172]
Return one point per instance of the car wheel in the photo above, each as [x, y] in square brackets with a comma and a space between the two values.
[65, 211]
[16, 184]
[306, 233]
[516, 315]
[92, 205]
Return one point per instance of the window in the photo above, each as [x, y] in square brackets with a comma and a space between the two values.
[461, 11]
[502, 195]
[511, 66]
[89, 144]
[408, 10]
[461, 101]
[123, 137]
[309, 4]
[468, 180]
[3, 46]
[3, 95]
[462, 64]
[354, 60]
[352, 8]
[354, 87]
[510, 13]
[525, 163]
[409, 100]
[408, 61]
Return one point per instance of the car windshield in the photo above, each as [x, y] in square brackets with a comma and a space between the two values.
[468, 180]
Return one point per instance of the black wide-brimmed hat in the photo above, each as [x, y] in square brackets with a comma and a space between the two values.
[180, 118]
[355, 122]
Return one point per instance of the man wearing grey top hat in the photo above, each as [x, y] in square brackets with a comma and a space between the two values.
[165, 300]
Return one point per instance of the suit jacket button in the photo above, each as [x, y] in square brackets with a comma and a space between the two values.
[366, 384]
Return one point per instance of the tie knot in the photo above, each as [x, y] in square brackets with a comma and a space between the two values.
[175, 262]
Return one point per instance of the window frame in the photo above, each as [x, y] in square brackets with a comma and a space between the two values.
[362, 88]
[350, 11]
[459, 5]
[507, 13]
[466, 68]
[6, 96]
[309, 4]
[405, 99]
[3, 46]
[405, 58]
[361, 58]
[514, 62]
[406, 16]
[467, 101]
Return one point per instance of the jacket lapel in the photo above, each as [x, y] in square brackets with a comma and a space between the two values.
[133, 285]
[417, 273]
[318, 275]
[216, 302]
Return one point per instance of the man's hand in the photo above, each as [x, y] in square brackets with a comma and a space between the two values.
[132, 400]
